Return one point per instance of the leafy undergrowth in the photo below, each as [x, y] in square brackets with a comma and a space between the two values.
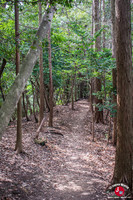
[68, 167]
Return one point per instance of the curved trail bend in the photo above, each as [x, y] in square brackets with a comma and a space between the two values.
[70, 168]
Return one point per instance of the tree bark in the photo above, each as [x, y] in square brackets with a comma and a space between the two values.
[114, 71]
[2, 67]
[72, 93]
[18, 145]
[41, 106]
[97, 24]
[104, 20]
[1, 71]
[114, 76]
[26, 68]
[98, 114]
[34, 110]
[2, 93]
[25, 108]
[104, 45]
[50, 80]
[92, 21]
[66, 92]
[28, 104]
[46, 98]
[75, 84]
[124, 151]
[92, 110]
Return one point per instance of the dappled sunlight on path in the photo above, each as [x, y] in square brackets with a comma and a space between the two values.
[69, 167]
[81, 177]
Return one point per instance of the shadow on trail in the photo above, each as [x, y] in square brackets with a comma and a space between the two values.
[71, 168]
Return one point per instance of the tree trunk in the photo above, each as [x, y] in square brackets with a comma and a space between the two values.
[41, 106]
[2, 93]
[124, 151]
[25, 108]
[2, 67]
[18, 146]
[114, 76]
[72, 93]
[34, 111]
[46, 98]
[28, 104]
[26, 69]
[104, 42]
[66, 91]
[50, 80]
[98, 114]
[75, 84]
[37, 92]
[1, 71]
[92, 110]
[92, 21]
[104, 20]
[97, 24]
[114, 71]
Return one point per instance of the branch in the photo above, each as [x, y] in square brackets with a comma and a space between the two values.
[25, 71]
[2, 67]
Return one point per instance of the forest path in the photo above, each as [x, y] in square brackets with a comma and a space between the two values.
[79, 178]
[72, 167]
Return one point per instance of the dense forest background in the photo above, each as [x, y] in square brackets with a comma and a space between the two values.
[58, 53]
[73, 57]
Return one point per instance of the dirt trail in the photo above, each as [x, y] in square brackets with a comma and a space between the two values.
[71, 168]
[79, 178]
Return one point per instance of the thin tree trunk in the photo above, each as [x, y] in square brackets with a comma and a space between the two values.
[18, 146]
[104, 21]
[98, 114]
[114, 75]
[92, 111]
[97, 24]
[25, 108]
[2, 93]
[72, 87]
[109, 131]
[2, 67]
[1, 71]
[91, 81]
[34, 111]
[39, 128]
[50, 80]
[104, 42]
[46, 98]
[28, 104]
[41, 106]
[75, 85]
[124, 151]
[75, 91]
[92, 22]
[114, 72]
[66, 91]
[37, 93]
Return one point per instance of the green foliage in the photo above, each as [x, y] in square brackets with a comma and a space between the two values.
[71, 41]
[7, 78]
[67, 3]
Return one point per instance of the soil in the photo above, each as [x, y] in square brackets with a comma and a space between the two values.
[68, 167]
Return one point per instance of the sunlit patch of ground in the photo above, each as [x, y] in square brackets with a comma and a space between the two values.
[71, 167]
